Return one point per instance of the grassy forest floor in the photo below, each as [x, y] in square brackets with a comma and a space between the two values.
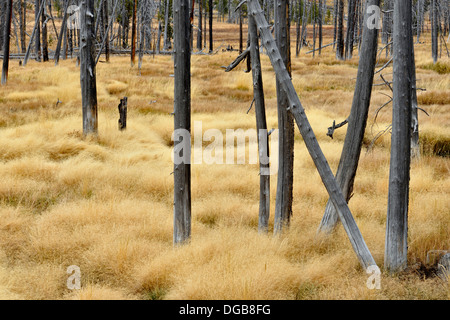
[105, 204]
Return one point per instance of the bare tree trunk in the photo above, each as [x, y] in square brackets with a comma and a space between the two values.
[261, 127]
[297, 110]
[166, 27]
[396, 245]
[62, 34]
[105, 28]
[37, 43]
[44, 37]
[23, 24]
[340, 32]
[350, 29]
[199, 30]
[283, 204]
[357, 121]
[133, 35]
[6, 34]
[182, 121]
[434, 30]
[320, 27]
[241, 40]
[210, 26]
[33, 33]
[415, 146]
[87, 68]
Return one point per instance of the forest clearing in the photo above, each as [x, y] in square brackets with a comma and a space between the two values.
[105, 202]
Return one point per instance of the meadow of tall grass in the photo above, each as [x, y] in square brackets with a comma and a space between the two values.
[105, 203]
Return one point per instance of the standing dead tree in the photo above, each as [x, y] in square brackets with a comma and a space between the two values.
[87, 68]
[6, 33]
[182, 122]
[396, 245]
[297, 110]
[283, 204]
[357, 120]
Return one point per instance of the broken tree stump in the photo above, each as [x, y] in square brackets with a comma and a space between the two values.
[123, 113]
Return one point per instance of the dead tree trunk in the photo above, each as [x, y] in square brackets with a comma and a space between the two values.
[261, 127]
[283, 204]
[37, 43]
[182, 122]
[33, 33]
[44, 37]
[133, 34]
[62, 34]
[434, 31]
[340, 31]
[296, 108]
[350, 29]
[396, 246]
[415, 146]
[106, 28]
[320, 27]
[357, 121]
[87, 67]
[199, 29]
[211, 26]
[6, 34]
[23, 24]
[166, 27]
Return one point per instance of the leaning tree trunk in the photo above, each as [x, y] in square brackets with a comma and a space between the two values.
[182, 121]
[37, 43]
[357, 121]
[261, 126]
[283, 203]
[396, 245]
[311, 143]
[87, 68]
[62, 33]
[6, 34]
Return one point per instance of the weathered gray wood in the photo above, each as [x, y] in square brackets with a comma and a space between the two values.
[133, 34]
[310, 140]
[357, 121]
[200, 26]
[283, 203]
[106, 28]
[62, 33]
[87, 68]
[340, 31]
[261, 127]
[182, 119]
[434, 31]
[123, 113]
[33, 33]
[211, 46]
[396, 245]
[44, 37]
[415, 144]
[37, 43]
[6, 33]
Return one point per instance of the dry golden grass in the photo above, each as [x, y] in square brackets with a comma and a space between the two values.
[105, 204]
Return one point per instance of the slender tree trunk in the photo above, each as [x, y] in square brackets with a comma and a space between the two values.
[105, 28]
[6, 34]
[166, 26]
[261, 126]
[348, 164]
[37, 43]
[87, 67]
[415, 146]
[62, 33]
[211, 26]
[340, 32]
[199, 30]
[434, 31]
[297, 110]
[283, 204]
[350, 29]
[396, 245]
[320, 27]
[133, 34]
[158, 38]
[241, 40]
[182, 121]
[23, 23]
[44, 37]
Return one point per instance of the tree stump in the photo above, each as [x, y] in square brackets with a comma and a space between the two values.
[123, 113]
[443, 269]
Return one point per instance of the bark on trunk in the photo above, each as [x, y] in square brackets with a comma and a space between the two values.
[87, 68]
[261, 127]
[6, 34]
[182, 121]
[396, 246]
[283, 203]
[357, 121]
